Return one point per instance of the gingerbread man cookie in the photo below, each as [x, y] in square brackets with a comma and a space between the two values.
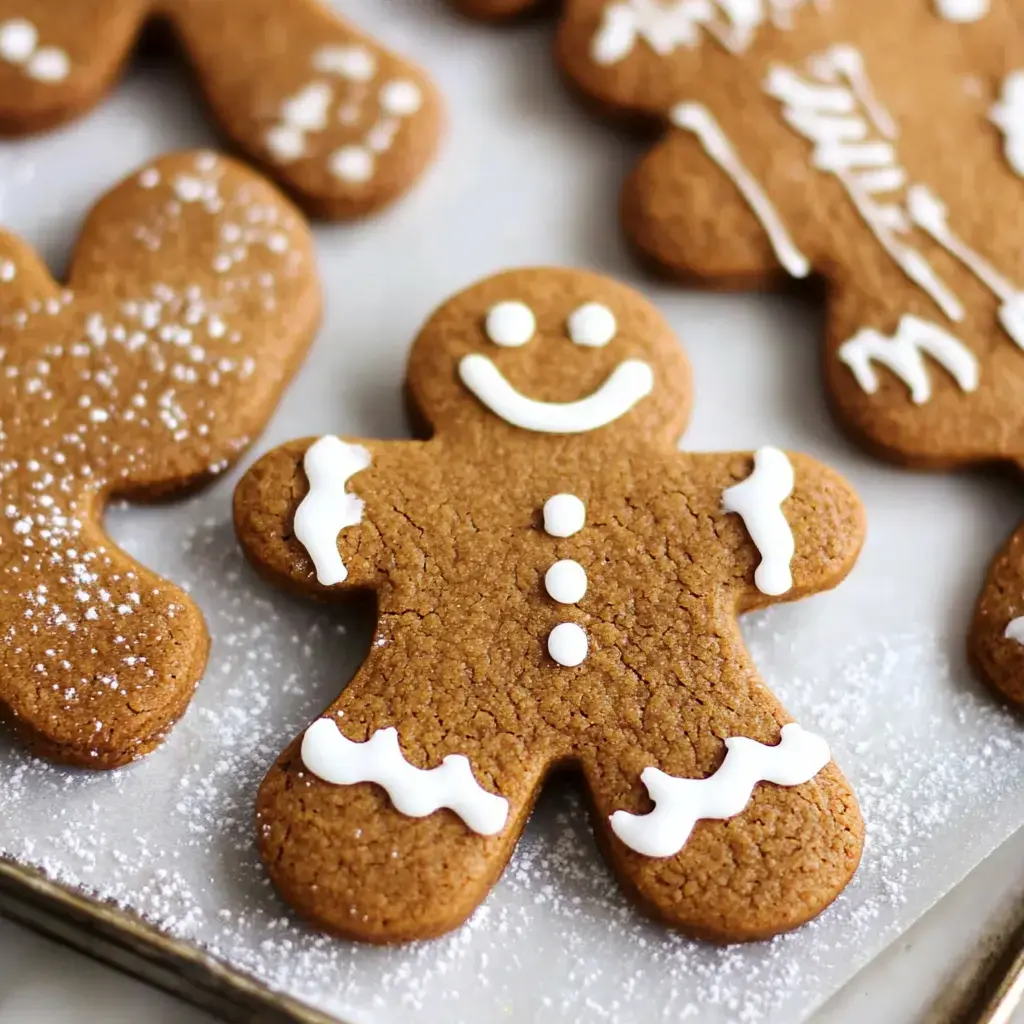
[557, 587]
[344, 124]
[191, 298]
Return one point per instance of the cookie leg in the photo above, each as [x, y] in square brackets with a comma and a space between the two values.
[996, 641]
[351, 863]
[773, 866]
[57, 66]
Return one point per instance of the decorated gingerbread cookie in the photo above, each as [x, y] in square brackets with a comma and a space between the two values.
[190, 300]
[344, 124]
[557, 587]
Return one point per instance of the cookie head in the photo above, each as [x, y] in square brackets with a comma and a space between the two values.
[550, 352]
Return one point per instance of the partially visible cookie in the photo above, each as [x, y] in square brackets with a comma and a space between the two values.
[191, 298]
[346, 125]
[556, 586]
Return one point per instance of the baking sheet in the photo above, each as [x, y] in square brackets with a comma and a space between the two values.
[877, 666]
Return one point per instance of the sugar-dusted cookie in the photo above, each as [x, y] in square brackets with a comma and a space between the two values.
[557, 586]
[344, 124]
[191, 298]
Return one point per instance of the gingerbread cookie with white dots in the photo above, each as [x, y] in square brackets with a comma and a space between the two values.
[556, 586]
[191, 298]
[344, 124]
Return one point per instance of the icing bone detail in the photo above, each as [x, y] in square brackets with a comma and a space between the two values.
[665, 25]
[758, 501]
[836, 109]
[904, 352]
[414, 791]
[1008, 116]
[681, 803]
[328, 508]
[695, 117]
[627, 384]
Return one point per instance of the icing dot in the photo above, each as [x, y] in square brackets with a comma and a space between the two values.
[1015, 630]
[309, 108]
[592, 325]
[18, 39]
[149, 178]
[355, 63]
[352, 163]
[49, 65]
[400, 98]
[564, 515]
[286, 142]
[566, 581]
[567, 644]
[510, 324]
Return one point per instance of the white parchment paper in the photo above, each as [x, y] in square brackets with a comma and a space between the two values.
[876, 666]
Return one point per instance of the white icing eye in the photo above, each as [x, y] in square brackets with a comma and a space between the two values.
[510, 324]
[592, 325]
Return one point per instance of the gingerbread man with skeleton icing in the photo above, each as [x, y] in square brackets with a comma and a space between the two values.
[342, 122]
[557, 587]
[877, 145]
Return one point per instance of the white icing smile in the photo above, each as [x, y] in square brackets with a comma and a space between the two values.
[627, 384]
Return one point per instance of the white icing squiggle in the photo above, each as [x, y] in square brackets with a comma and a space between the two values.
[414, 791]
[904, 352]
[929, 213]
[852, 132]
[758, 501]
[628, 383]
[695, 117]
[1008, 116]
[1015, 630]
[328, 508]
[681, 803]
[962, 10]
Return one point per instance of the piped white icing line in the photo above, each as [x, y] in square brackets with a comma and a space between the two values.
[566, 582]
[1015, 630]
[962, 10]
[665, 25]
[568, 644]
[681, 803]
[308, 112]
[19, 46]
[696, 118]
[593, 325]
[758, 501]
[328, 508]
[929, 213]
[904, 352]
[510, 324]
[1008, 116]
[564, 515]
[834, 106]
[414, 791]
[627, 384]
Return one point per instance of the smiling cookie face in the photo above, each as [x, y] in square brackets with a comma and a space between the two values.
[550, 352]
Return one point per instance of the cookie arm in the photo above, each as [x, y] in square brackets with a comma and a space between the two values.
[344, 124]
[785, 525]
[55, 67]
[319, 516]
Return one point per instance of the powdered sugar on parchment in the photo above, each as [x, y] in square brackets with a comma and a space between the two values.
[172, 836]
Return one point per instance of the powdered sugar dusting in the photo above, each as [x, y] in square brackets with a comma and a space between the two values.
[938, 759]
[104, 394]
